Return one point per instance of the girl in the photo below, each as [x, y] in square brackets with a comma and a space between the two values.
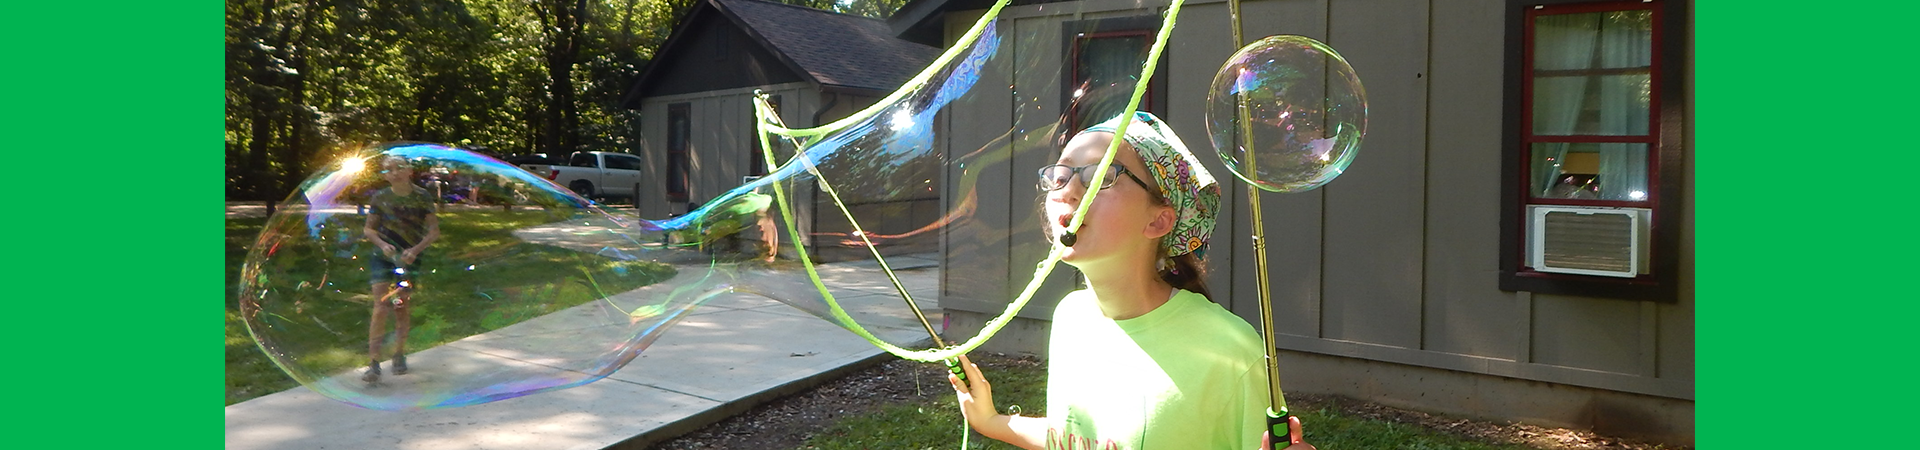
[1140, 359]
[401, 223]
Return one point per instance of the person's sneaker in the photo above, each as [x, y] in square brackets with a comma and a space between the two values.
[373, 372]
[399, 364]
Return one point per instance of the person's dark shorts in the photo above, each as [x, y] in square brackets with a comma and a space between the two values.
[385, 271]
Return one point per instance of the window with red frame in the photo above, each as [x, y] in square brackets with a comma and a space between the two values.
[1593, 148]
[1104, 66]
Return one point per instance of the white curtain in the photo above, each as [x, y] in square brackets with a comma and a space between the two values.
[1625, 42]
[1561, 42]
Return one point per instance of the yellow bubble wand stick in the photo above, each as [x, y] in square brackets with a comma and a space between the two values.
[1276, 413]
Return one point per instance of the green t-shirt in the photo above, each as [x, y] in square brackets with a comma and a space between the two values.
[1187, 375]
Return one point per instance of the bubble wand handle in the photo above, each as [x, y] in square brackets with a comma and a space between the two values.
[1276, 414]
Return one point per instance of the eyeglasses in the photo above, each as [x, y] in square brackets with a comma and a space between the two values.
[1055, 177]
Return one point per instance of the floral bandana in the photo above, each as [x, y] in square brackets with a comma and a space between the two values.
[1184, 183]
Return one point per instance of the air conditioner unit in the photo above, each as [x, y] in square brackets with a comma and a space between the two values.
[1582, 240]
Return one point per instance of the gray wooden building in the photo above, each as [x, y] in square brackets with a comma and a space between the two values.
[696, 97]
[1514, 240]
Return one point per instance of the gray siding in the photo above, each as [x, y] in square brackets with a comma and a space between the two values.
[1397, 261]
[719, 143]
[1020, 92]
[974, 270]
[1037, 106]
[1466, 312]
[1373, 234]
[1293, 224]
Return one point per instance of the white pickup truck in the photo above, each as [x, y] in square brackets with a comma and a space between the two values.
[594, 174]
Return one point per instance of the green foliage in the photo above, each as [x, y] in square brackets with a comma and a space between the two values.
[309, 81]
[879, 9]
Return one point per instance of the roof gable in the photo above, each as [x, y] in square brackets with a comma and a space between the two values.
[709, 52]
[779, 43]
[924, 21]
[836, 50]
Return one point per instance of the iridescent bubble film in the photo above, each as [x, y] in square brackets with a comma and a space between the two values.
[517, 285]
[1287, 113]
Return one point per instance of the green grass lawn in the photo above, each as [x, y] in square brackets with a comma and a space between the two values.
[1329, 429]
[935, 423]
[519, 281]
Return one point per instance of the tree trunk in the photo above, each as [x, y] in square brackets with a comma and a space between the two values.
[253, 177]
[257, 151]
[562, 115]
[565, 23]
[293, 158]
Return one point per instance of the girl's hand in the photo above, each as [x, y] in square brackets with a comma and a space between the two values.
[976, 395]
[976, 403]
[1293, 428]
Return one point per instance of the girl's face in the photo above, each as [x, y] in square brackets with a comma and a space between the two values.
[1125, 220]
[396, 171]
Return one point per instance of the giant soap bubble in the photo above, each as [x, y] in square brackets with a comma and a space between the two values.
[1287, 113]
[522, 286]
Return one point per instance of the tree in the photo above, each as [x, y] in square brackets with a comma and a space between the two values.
[311, 80]
[879, 9]
[563, 24]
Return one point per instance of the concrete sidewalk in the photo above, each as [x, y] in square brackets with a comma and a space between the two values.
[731, 354]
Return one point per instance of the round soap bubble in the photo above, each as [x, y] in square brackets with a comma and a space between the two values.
[1287, 113]
[488, 281]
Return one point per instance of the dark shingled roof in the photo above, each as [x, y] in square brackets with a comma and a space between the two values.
[836, 50]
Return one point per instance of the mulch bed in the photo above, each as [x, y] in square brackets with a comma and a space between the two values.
[1491, 432]
[788, 422]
